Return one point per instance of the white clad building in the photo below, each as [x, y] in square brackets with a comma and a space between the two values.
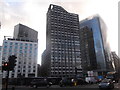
[26, 53]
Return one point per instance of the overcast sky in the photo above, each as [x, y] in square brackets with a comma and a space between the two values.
[32, 13]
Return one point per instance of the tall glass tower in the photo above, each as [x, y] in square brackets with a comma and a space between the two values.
[101, 47]
[87, 49]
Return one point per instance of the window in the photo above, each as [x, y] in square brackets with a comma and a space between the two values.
[35, 44]
[20, 51]
[30, 51]
[28, 70]
[11, 43]
[5, 42]
[16, 47]
[15, 50]
[20, 47]
[4, 50]
[25, 47]
[10, 53]
[16, 43]
[26, 44]
[3, 58]
[5, 46]
[25, 55]
[33, 66]
[10, 50]
[4, 54]
[29, 66]
[25, 51]
[30, 48]
[21, 44]
[12, 75]
[10, 47]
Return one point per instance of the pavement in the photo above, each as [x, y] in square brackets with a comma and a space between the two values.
[89, 86]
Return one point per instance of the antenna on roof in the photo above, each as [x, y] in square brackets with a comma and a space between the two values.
[5, 37]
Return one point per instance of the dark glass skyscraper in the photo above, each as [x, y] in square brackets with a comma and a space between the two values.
[101, 48]
[63, 45]
[87, 49]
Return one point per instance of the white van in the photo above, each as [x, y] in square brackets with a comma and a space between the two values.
[90, 80]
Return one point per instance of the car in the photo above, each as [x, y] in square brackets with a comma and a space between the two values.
[54, 80]
[91, 80]
[81, 81]
[67, 82]
[40, 82]
[106, 83]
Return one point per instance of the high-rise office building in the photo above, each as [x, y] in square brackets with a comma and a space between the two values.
[24, 33]
[44, 64]
[99, 46]
[116, 62]
[62, 43]
[26, 52]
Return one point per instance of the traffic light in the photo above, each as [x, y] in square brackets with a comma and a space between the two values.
[12, 62]
[5, 66]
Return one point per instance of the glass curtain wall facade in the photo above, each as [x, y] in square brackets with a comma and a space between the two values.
[102, 51]
[63, 45]
[87, 49]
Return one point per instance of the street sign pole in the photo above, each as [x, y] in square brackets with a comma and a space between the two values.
[7, 77]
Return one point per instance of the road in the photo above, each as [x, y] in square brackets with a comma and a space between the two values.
[56, 87]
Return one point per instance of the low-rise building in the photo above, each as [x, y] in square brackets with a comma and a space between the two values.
[24, 49]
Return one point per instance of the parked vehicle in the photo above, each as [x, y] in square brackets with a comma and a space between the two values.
[100, 78]
[67, 82]
[81, 81]
[54, 80]
[40, 82]
[113, 76]
[106, 83]
[91, 80]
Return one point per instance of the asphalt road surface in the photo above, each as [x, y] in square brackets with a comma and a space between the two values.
[57, 87]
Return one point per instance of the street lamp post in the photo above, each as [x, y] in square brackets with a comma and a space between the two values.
[75, 71]
[21, 66]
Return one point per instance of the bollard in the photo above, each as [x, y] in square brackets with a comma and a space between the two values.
[13, 88]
